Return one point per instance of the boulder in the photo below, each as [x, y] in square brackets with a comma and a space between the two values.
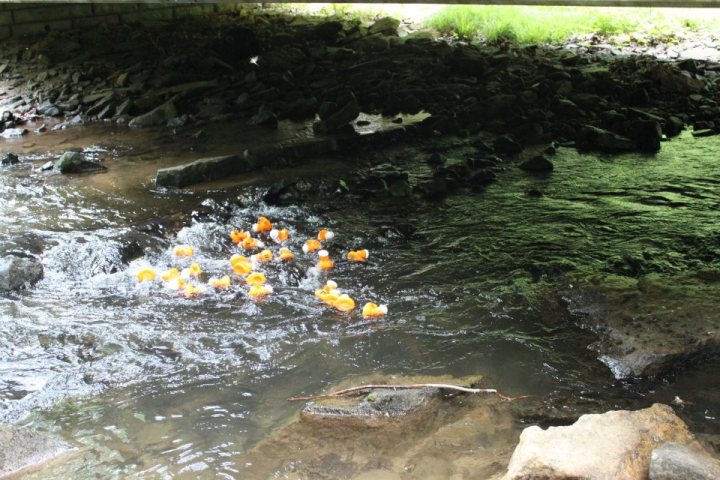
[203, 170]
[672, 461]
[22, 448]
[157, 116]
[537, 164]
[616, 445]
[506, 146]
[9, 159]
[594, 138]
[74, 162]
[646, 134]
[385, 26]
[18, 272]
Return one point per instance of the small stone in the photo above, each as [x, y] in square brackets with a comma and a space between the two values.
[706, 132]
[9, 159]
[13, 132]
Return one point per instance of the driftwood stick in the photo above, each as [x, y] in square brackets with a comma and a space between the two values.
[374, 386]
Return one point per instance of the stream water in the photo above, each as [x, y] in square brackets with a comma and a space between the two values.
[153, 385]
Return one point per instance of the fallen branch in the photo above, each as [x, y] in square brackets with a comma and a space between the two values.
[444, 386]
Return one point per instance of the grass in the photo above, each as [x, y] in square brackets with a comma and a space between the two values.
[527, 25]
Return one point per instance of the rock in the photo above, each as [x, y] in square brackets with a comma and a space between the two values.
[22, 448]
[157, 116]
[704, 132]
[614, 445]
[435, 188]
[537, 164]
[646, 134]
[237, 45]
[74, 162]
[675, 81]
[284, 192]
[203, 170]
[594, 138]
[49, 110]
[372, 43]
[339, 119]
[18, 272]
[9, 159]
[505, 145]
[385, 26]
[672, 461]
[264, 118]
[13, 132]
[673, 126]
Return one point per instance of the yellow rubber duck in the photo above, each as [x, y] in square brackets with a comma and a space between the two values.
[262, 225]
[183, 251]
[372, 310]
[256, 278]
[240, 265]
[325, 263]
[324, 235]
[258, 292]
[171, 274]
[220, 283]
[344, 303]
[285, 254]
[264, 256]
[311, 245]
[146, 275]
[194, 270]
[251, 243]
[329, 293]
[178, 283]
[192, 291]
[279, 236]
[358, 255]
[238, 236]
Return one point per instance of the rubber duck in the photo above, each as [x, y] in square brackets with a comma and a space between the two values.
[324, 235]
[257, 292]
[238, 236]
[220, 283]
[279, 236]
[183, 251]
[344, 303]
[240, 265]
[262, 225]
[237, 258]
[325, 263]
[171, 274]
[146, 275]
[358, 255]
[256, 278]
[178, 283]
[193, 271]
[264, 256]
[372, 310]
[285, 254]
[329, 293]
[250, 243]
[311, 245]
[192, 291]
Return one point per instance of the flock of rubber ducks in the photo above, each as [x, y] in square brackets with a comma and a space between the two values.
[245, 268]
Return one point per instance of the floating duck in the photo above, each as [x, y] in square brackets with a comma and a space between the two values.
[171, 274]
[311, 245]
[260, 291]
[324, 235]
[279, 236]
[262, 225]
[372, 310]
[178, 283]
[238, 236]
[220, 283]
[358, 255]
[285, 254]
[329, 293]
[183, 251]
[146, 275]
[264, 256]
[344, 303]
[250, 243]
[192, 291]
[325, 263]
[240, 265]
[193, 271]
[256, 278]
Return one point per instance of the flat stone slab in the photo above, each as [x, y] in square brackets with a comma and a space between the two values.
[22, 448]
[203, 170]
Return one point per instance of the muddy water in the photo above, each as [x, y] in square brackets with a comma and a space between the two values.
[152, 385]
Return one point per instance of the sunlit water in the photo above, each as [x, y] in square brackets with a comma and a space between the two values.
[155, 385]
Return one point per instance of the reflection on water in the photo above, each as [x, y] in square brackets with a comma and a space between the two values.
[155, 385]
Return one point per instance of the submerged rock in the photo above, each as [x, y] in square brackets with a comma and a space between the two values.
[74, 162]
[158, 116]
[203, 170]
[19, 272]
[594, 138]
[672, 461]
[22, 448]
[614, 445]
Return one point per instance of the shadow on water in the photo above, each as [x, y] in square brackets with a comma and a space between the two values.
[155, 385]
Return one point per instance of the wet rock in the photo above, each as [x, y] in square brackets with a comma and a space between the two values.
[372, 43]
[22, 448]
[385, 26]
[157, 116]
[646, 134]
[284, 192]
[49, 110]
[435, 188]
[264, 118]
[705, 132]
[537, 164]
[13, 132]
[9, 159]
[675, 81]
[672, 461]
[339, 119]
[19, 272]
[616, 444]
[594, 138]
[74, 162]
[673, 126]
[203, 170]
[237, 45]
[505, 145]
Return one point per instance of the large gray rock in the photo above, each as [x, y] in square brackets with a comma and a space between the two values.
[612, 446]
[385, 26]
[594, 138]
[21, 448]
[74, 162]
[677, 462]
[157, 116]
[18, 272]
[203, 170]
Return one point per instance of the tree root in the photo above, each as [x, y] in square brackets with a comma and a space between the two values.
[443, 386]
